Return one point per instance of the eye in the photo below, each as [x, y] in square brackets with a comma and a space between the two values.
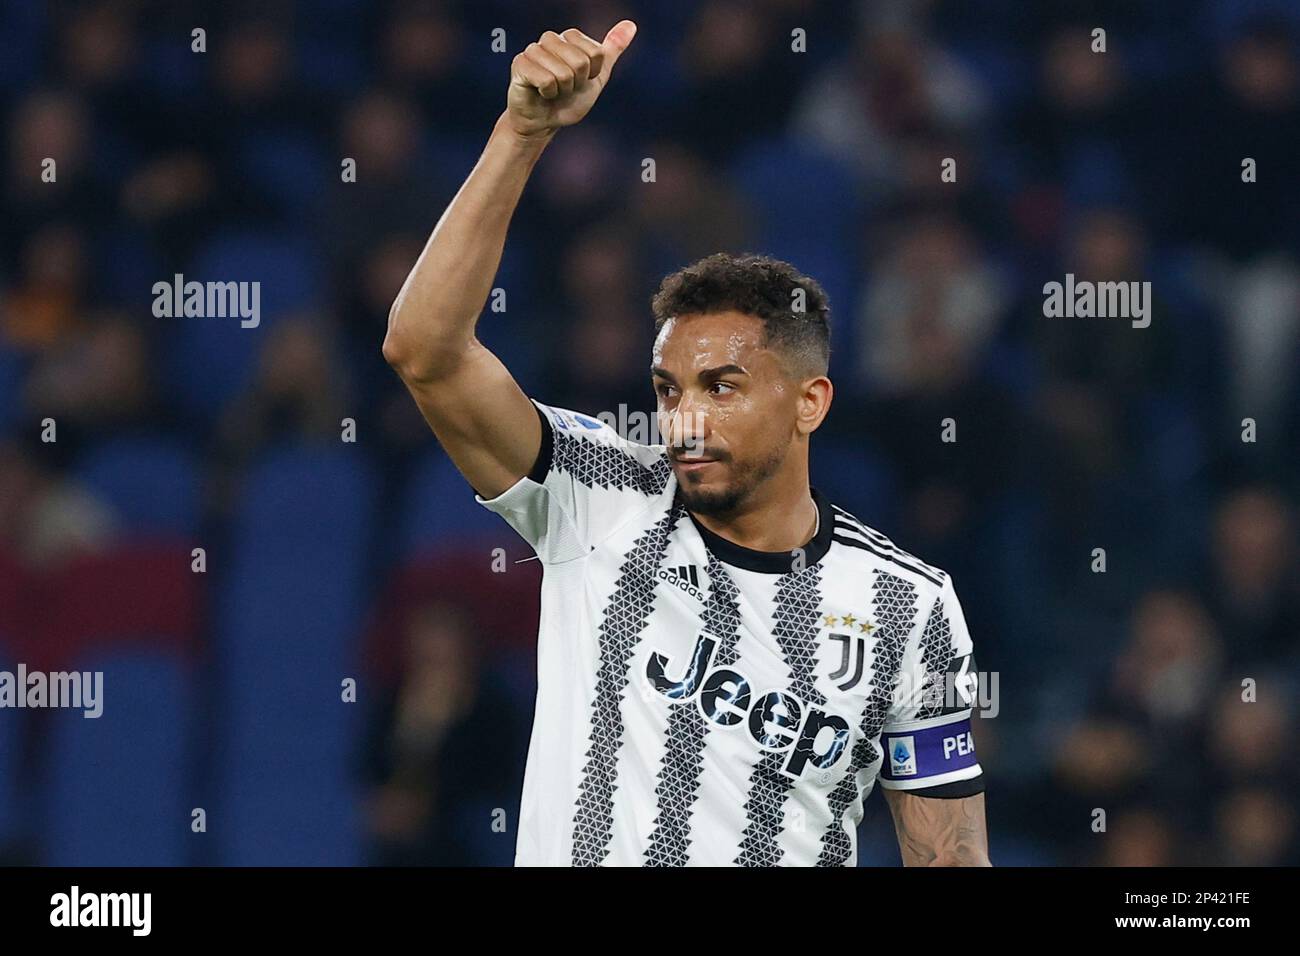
[726, 385]
[663, 390]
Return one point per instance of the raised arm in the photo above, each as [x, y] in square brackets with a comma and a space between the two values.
[478, 412]
[935, 831]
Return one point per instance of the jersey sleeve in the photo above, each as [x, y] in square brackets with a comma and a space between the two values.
[927, 742]
[586, 482]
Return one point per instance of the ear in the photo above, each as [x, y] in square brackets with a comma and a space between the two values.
[815, 396]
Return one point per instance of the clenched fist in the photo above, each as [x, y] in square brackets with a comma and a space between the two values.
[555, 81]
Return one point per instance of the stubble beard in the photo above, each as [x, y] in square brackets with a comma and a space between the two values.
[727, 500]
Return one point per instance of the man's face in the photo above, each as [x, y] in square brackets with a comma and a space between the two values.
[726, 407]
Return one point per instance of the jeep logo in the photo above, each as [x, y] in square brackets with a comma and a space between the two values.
[776, 720]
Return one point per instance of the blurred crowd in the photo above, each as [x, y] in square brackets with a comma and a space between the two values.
[1119, 508]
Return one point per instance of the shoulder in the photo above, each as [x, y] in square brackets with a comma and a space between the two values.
[876, 552]
[591, 447]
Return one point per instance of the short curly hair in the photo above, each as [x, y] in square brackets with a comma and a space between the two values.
[797, 325]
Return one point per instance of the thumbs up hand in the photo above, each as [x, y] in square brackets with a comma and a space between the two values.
[555, 81]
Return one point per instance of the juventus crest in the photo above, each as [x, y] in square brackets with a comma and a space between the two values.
[854, 654]
[853, 649]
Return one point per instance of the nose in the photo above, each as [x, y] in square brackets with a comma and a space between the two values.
[688, 425]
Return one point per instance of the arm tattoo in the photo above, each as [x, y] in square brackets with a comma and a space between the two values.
[938, 832]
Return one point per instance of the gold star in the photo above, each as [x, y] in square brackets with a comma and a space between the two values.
[866, 627]
[849, 619]
[830, 620]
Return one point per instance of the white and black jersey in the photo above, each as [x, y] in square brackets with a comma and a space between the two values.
[703, 703]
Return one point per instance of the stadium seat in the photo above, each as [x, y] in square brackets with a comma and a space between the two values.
[439, 511]
[211, 359]
[290, 609]
[807, 215]
[854, 476]
[800, 193]
[116, 786]
[287, 166]
[151, 484]
[877, 842]
[10, 389]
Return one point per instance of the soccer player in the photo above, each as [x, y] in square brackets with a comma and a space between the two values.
[727, 662]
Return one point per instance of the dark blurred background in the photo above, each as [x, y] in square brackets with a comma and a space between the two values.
[328, 560]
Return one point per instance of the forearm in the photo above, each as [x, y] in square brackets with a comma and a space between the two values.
[432, 320]
[934, 832]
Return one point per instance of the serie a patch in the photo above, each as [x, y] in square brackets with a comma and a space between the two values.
[924, 753]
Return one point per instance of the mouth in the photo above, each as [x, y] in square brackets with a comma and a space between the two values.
[694, 464]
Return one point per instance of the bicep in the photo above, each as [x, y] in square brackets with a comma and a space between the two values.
[934, 831]
[483, 420]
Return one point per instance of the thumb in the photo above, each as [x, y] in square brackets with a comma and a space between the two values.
[618, 39]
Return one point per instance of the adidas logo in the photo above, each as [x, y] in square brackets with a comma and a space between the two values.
[684, 577]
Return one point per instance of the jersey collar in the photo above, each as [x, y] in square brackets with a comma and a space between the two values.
[773, 562]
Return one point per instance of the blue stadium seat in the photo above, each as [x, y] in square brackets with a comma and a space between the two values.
[117, 791]
[11, 377]
[877, 841]
[20, 42]
[808, 214]
[854, 476]
[152, 484]
[1096, 173]
[288, 166]
[439, 511]
[326, 65]
[211, 359]
[290, 615]
[485, 845]
[802, 195]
